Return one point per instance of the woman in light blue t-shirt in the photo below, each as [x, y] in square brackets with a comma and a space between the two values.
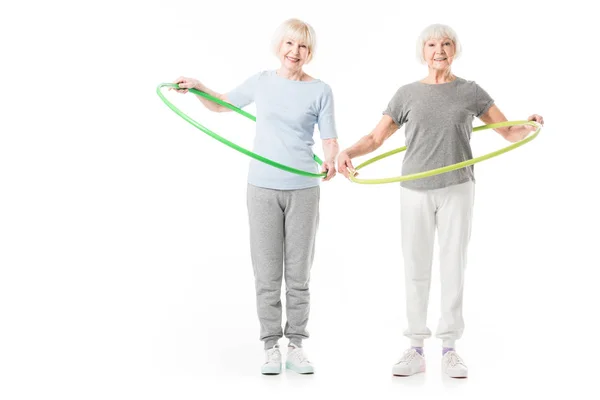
[283, 208]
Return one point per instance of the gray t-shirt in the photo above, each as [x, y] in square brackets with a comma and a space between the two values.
[286, 114]
[439, 122]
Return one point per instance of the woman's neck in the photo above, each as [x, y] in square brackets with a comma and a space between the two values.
[291, 75]
[437, 76]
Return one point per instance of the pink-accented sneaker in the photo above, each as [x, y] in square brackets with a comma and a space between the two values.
[453, 365]
[410, 363]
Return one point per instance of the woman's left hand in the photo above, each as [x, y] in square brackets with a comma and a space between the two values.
[329, 167]
[536, 118]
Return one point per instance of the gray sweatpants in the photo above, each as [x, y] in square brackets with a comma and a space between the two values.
[283, 226]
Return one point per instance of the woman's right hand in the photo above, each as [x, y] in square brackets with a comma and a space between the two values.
[345, 166]
[185, 84]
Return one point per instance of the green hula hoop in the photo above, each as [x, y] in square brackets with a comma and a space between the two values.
[225, 141]
[448, 168]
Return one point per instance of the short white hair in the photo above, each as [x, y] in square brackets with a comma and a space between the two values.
[296, 30]
[437, 31]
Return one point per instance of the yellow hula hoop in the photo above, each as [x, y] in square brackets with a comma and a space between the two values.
[448, 168]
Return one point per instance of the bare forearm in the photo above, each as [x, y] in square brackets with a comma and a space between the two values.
[211, 105]
[365, 145]
[510, 133]
[331, 149]
[515, 133]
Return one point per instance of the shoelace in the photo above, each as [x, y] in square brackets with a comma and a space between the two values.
[454, 360]
[407, 357]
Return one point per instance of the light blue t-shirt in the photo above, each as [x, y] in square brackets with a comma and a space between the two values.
[286, 114]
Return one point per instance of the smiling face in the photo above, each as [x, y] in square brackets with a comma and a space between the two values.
[294, 44]
[439, 53]
[293, 54]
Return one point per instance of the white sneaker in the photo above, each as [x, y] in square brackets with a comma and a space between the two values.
[453, 365]
[297, 361]
[272, 365]
[410, 363]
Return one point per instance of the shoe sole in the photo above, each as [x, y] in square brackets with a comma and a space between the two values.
[414, 373]
[271, 370]
[303, 371]
[457, 376]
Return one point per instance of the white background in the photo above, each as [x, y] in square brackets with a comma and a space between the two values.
[124, 258]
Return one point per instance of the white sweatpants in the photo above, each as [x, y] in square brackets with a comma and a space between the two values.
[450, 211]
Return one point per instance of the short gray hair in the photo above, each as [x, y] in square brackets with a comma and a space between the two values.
[297, 30]
[437, 31]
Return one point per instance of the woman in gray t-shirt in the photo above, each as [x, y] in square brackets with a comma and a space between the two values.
[283, 208]
[437, 113]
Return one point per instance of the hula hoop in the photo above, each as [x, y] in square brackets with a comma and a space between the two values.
[225, 141]
[448, 168]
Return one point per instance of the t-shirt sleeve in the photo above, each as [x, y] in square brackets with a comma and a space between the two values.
[326, 117]
[483, 101]
[396, 108]
[244, 94]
